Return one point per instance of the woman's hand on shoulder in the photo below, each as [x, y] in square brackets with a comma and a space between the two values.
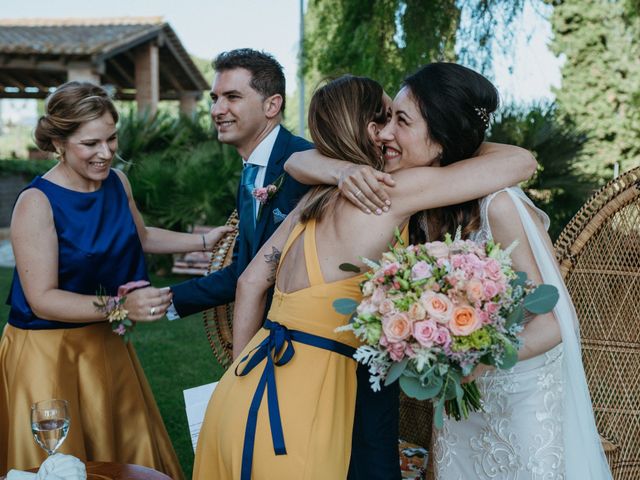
[364, 186]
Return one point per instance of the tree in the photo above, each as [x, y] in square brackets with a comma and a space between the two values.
[388, 39]
[600, 78]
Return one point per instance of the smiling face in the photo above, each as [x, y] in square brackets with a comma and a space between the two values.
[405, 138]
[240, 113]
[89, 152]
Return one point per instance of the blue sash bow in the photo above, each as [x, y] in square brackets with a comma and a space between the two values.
[278, 350]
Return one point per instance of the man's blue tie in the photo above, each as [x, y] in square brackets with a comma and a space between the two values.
[247, 201]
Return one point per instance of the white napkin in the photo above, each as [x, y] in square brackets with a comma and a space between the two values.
[56, 467]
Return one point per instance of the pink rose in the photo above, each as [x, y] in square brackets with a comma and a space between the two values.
[492, 269]
[386, 307]
[437, 249]
[437, 305]
[490, 289]
[416, 311]
[491, 307]
[420, 270]
[425, 332]
[475, 291]
[464, 321]
[396, 327]
[396, 350]
[443, 337]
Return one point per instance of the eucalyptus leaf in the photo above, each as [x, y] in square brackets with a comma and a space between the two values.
[349, 267]
[414, 388]
[515, 317]
[542, 299]
[345, 306]
[450, 392]
[395, 371]
[520, 280]
[510, 357]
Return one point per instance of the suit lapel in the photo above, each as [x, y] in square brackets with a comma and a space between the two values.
[275, 168]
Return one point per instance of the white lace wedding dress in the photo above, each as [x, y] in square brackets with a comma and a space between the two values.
[537, 422]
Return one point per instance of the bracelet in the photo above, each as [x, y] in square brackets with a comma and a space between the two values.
[204, 244]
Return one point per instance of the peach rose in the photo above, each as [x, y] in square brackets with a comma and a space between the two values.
[416, 311]
[386, 307]
[437, 305]
[464, 321]
[475, 291]
[396, 327]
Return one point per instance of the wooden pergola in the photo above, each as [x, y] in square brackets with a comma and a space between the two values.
[139, 59]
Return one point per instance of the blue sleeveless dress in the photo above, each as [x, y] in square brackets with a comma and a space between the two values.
[98, 246]
[114, 416]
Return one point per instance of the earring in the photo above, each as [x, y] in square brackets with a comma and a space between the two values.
[60, 155]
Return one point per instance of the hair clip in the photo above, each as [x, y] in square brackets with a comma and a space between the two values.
[484, 116]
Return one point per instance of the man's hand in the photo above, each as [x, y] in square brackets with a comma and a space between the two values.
[364, 187]
[148, 304]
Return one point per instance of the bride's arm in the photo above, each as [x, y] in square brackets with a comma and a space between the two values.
[542, 332]
[254, 283]
[312, 168]
[497, 166]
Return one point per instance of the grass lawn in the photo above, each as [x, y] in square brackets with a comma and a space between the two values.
[175, 355]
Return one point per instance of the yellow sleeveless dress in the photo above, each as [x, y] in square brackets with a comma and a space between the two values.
[316, 389]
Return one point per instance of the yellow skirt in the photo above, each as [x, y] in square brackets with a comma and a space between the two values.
[114, 416]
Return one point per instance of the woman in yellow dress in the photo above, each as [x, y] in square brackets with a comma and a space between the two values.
[303, 428]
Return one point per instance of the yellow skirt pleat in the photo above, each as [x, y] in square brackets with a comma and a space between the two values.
[114, 416]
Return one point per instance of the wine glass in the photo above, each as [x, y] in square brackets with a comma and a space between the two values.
[50, 423]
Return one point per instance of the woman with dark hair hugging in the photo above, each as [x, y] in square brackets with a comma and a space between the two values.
[285, 409]
[537, 420]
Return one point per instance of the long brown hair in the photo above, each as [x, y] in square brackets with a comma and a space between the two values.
[339, 114]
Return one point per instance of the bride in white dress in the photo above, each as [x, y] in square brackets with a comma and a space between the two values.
[537, 421]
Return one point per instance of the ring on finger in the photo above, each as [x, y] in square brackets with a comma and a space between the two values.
[152, 311]
[358, 193]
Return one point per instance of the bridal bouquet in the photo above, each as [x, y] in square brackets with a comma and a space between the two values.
[433, 312]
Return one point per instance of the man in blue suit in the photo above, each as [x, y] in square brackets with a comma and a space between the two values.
[248, 97]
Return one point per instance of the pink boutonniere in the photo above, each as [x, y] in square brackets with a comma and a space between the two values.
[264, 194]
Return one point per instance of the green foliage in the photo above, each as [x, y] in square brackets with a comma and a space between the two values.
[180, 174]
[601, 78]
[30, 168]
[559, 187]
[389, 39]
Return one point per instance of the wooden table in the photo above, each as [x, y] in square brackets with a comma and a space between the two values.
[118, 471]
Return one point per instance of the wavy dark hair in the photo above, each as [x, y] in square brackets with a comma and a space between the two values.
[456, 103]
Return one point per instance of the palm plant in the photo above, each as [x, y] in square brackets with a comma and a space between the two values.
[559, 187]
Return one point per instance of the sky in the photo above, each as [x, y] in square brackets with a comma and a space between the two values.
[208, 27]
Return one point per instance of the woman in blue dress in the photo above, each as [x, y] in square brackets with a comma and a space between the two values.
[76, 231]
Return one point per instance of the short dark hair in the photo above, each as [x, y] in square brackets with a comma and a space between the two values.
[267, 77]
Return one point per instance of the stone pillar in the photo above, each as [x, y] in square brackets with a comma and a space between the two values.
[147, 78]
[189, 103]
[82, 72]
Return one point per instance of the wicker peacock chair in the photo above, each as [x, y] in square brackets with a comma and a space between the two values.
[218, 321]
[599, 256]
